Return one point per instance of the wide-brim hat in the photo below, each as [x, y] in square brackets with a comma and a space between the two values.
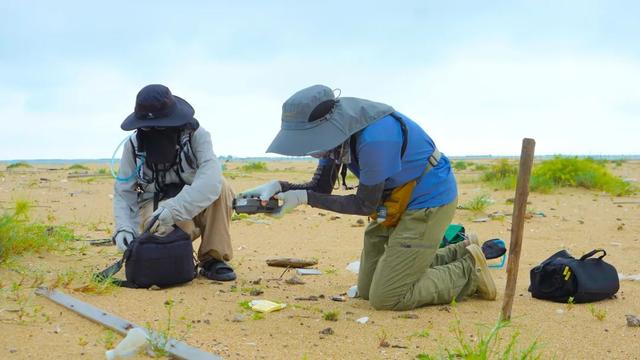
[157, 107]
[302, 132]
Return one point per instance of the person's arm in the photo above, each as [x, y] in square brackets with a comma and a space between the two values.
[322, 181]
[363, 202]
[206, 185]
[125, 197]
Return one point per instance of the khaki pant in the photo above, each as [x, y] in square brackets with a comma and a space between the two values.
[402, 268]
[211, 225]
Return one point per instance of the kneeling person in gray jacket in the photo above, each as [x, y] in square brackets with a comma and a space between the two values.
[168, 169]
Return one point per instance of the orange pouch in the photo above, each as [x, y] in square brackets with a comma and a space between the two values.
[396, 204]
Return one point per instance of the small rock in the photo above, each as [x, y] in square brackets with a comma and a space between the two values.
[581, 222]
[633, 321]
[359, 223]
[338, 298]
[446, 308]
[13, 351]
[238, 318]
[334, 217]
[308, 298]
[256, 281]
[327, 331]
[154, 287]
[256, 292]
[294, 280]
[480, 220]
[57, 329]
[559, 311]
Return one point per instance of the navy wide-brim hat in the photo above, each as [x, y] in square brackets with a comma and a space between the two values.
[157, 107]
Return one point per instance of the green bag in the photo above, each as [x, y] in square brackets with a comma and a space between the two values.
[454, 234]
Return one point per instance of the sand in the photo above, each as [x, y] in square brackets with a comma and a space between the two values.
[575, 219]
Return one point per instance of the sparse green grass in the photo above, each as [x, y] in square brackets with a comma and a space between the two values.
[108, 339]
[77, 167]
[478, 204]
[254, 166]
[489, 345]
[19, 165]
[159, 337]
[331, 315]
[597, 313]
[18, 235]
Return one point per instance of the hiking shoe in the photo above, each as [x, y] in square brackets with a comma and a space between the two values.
[486, 286]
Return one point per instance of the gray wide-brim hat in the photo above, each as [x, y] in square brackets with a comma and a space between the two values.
[156, 106]
[300, 134]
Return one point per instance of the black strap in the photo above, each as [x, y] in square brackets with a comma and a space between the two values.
[593, 252]
[114, 268]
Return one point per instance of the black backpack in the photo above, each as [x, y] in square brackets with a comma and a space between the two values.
[155, 260]
[563, 277]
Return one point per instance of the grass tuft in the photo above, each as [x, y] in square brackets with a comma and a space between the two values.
[478, 203]
[18, 235]
[331, 315]
[488, 345]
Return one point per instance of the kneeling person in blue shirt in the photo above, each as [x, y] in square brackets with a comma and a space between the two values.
[404, 182]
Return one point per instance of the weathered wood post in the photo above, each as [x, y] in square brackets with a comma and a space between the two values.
[517, 226]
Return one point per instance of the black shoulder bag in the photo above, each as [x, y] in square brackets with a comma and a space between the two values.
[155, 260]
[562, 277]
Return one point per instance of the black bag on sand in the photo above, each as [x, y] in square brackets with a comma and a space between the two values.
[562, 277]
[155, 260]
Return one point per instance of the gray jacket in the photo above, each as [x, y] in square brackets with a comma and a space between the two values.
[203, 183]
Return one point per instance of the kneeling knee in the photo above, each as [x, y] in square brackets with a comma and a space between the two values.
[381, 302]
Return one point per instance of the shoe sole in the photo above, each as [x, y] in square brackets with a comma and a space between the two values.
[483, 274]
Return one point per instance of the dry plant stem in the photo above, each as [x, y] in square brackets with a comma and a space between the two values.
[519, 210]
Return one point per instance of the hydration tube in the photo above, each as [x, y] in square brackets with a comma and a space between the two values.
[113, 161]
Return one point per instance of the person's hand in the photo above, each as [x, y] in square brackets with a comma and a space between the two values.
[165, 222]
[264, 191]
[290, 199]
[123, 239]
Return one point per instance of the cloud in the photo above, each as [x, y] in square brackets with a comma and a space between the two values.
[475, 99]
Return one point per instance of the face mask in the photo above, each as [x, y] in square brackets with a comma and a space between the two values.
[160, 145]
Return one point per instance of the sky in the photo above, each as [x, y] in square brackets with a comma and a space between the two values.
[478, 76]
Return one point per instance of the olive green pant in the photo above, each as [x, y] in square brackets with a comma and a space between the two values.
[402, 268]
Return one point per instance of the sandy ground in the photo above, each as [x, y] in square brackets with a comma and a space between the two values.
[577, 220]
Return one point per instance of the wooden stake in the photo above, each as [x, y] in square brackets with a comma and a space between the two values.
[517, 226]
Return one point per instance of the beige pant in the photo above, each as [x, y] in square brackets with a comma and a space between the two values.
[211, 225]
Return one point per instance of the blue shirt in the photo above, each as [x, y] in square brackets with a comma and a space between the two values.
[378, 159]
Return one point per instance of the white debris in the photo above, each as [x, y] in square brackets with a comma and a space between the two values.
[354, 267]
[629, 277]
[363, 320]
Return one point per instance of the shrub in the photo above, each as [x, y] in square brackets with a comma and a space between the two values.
[78, 167]
[18, 235]
[500, 171]
[460, 165]
[255, 166]
[18, 165]
[575, 172]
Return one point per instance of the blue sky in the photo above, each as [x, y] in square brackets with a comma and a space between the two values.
[478, 76]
